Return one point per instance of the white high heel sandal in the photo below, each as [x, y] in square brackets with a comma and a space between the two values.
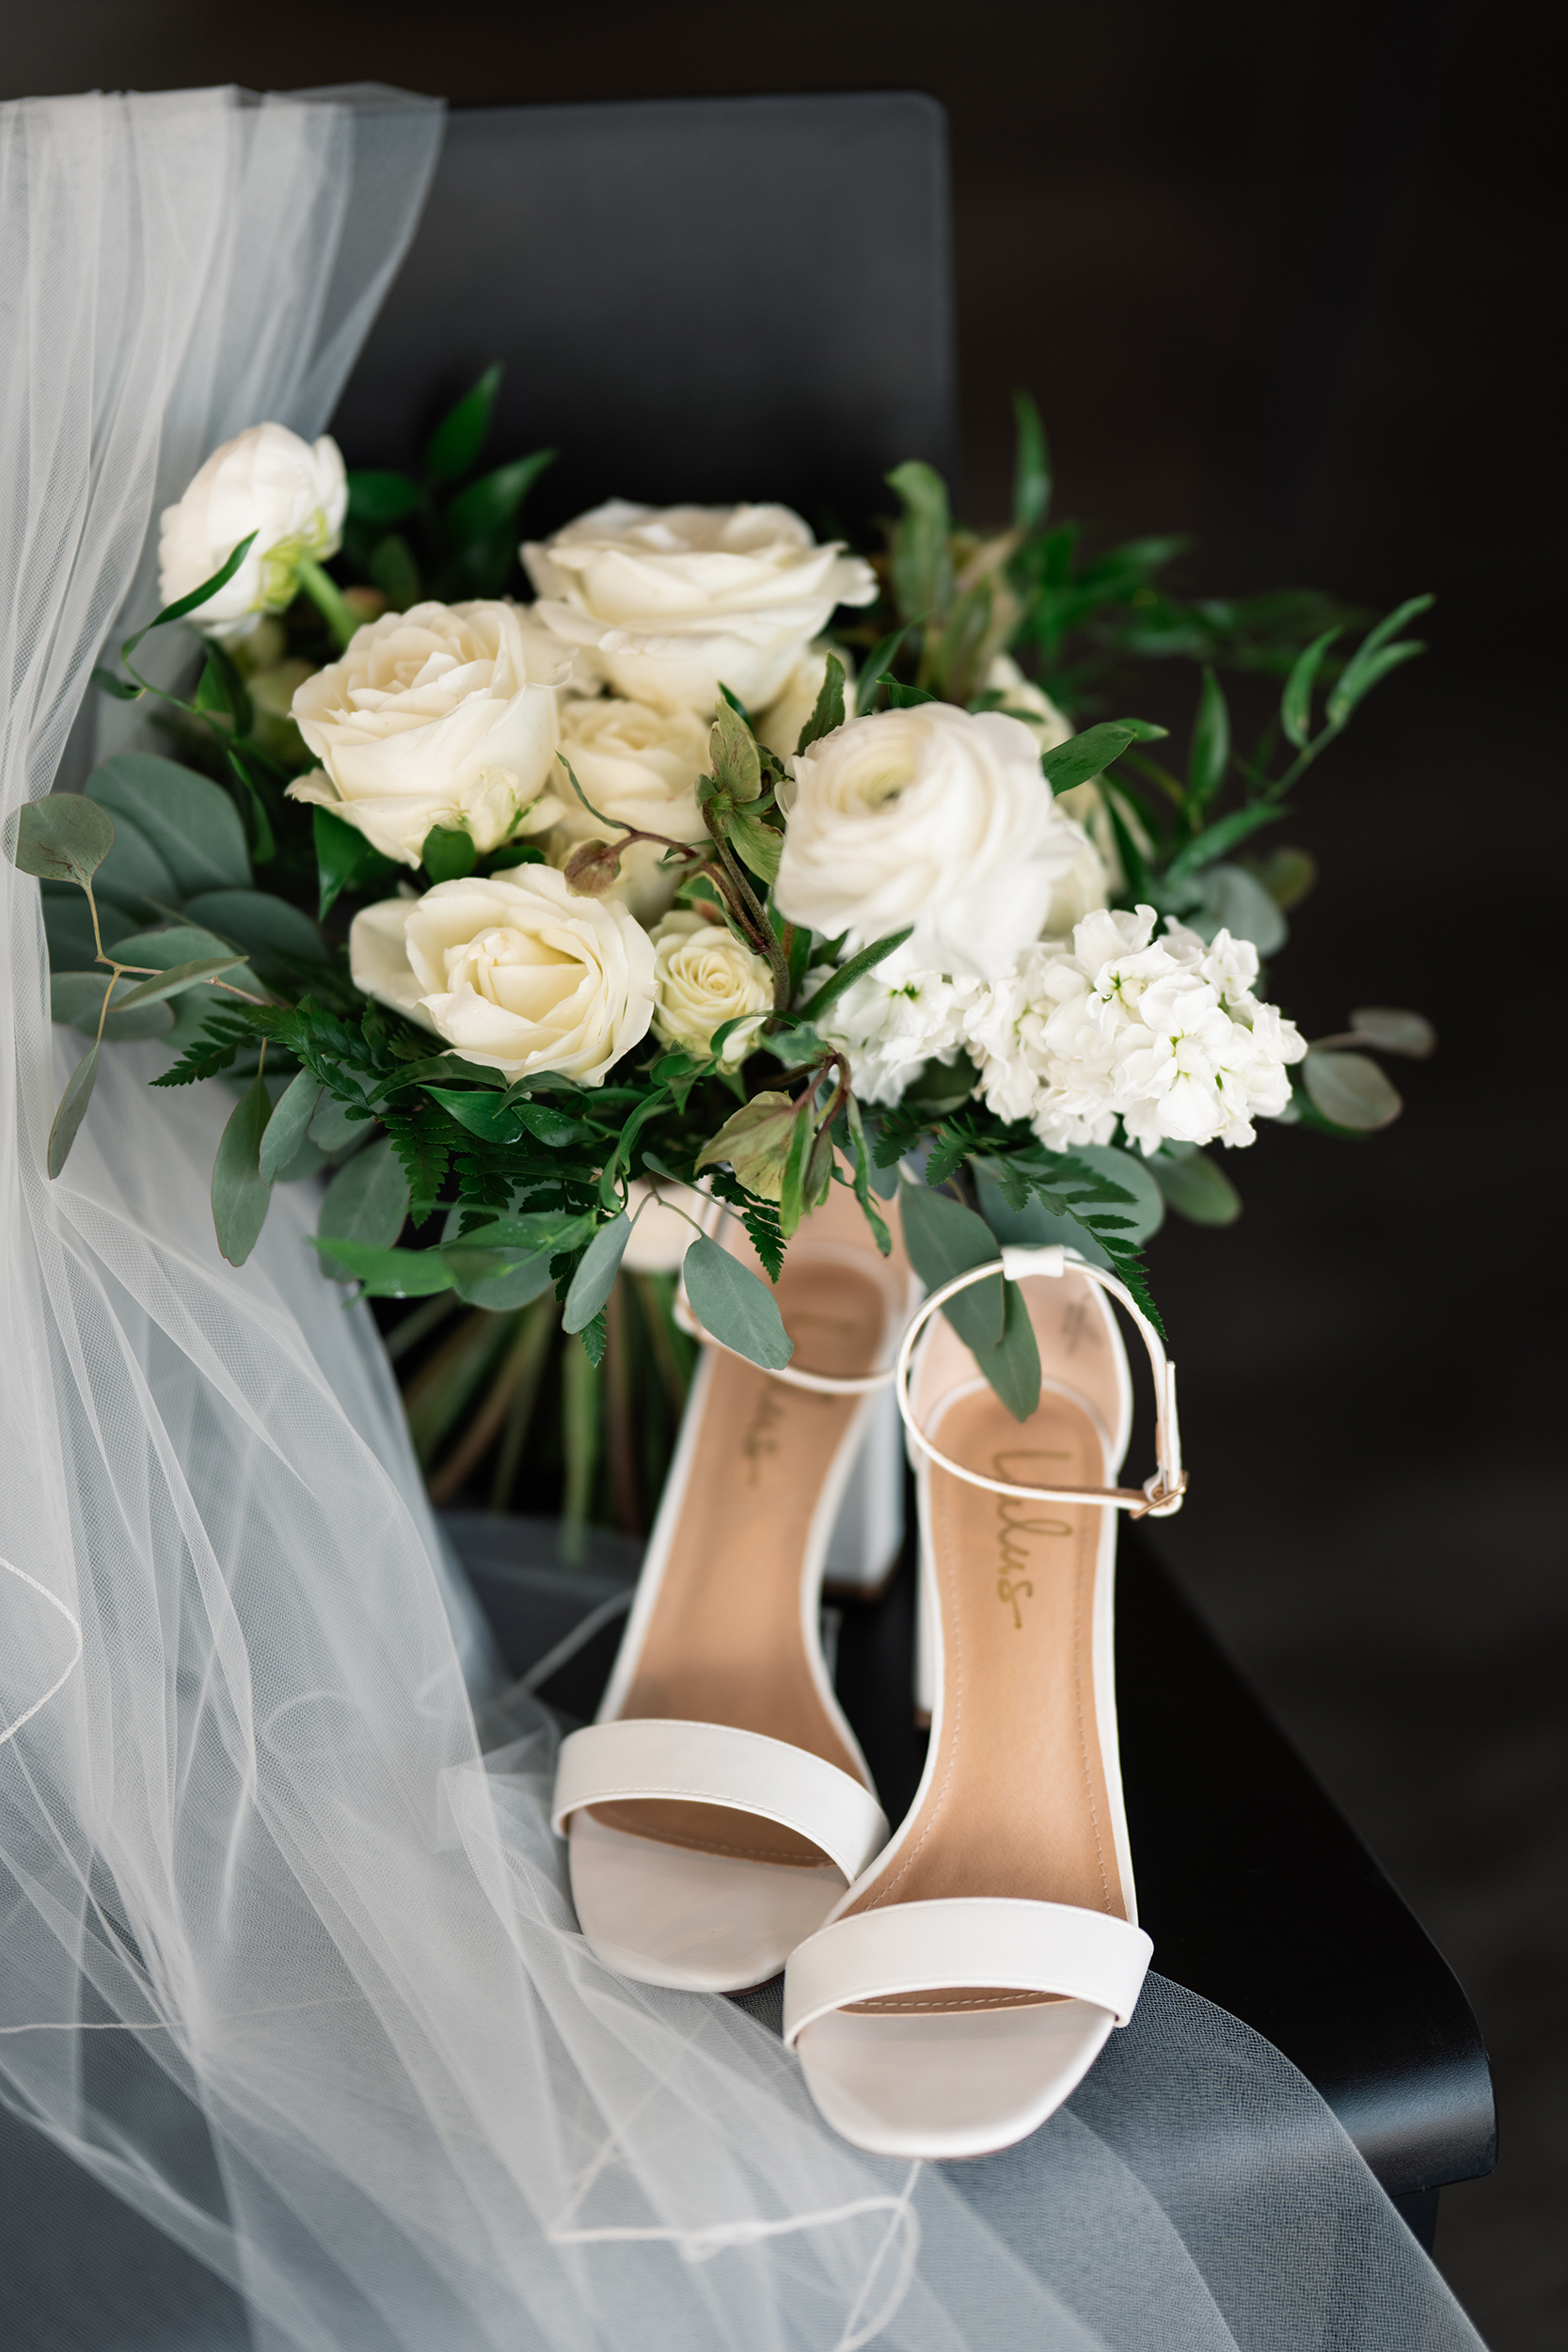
[721, 1805]
[970, 1978]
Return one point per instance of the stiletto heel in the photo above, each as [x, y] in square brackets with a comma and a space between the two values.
[868, 1533]
[721, 1805]
[966, 1982]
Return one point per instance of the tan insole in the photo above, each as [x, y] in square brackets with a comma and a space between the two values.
[726, 1643]
[1016, 1803]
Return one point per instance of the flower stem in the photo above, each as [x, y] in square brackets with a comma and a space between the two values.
[330, 601]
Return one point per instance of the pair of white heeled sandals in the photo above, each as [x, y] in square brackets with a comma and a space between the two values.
[948, 1987]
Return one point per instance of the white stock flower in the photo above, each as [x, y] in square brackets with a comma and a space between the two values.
[443, 715]
[293, 497]
[1164, 1033]
[893, 1021]
[639, 765]
[516, 972]
[704, 976]
[674, 601]
[927, 816]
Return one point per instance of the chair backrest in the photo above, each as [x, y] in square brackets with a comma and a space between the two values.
[698, 299]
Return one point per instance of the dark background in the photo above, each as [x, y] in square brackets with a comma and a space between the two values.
[1281, 278]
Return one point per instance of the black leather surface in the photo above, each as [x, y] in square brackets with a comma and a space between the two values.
[702, 300]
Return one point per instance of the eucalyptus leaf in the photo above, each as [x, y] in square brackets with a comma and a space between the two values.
[1286, 875]
[1236, 902]
[385, 1273]
[498, 1280]
[1349, 1090]
[735, 1305]
[191, 822]
[63, 839]
[333, 1127]
[240, 1194]
[266, 927]
[134, 875]
[289, 1126]
[367, 1201]
[595, 1275]
[1393, 1031]
[175, 981]
[945, 1239]
[182, 944]
[72, 1106]
[1013, 1365]
[1195, 1187]
[76, 1000]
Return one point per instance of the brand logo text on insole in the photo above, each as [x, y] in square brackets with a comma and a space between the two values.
[1018, 1524]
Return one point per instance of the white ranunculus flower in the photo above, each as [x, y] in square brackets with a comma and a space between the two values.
[639, 765]
[674, 601]
[293, 497]
[928, 817]
[444, 715]
[1164, 1033]
[704, 976]
[516, 972]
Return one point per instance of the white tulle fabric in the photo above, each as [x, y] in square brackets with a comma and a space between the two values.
[286, 1955]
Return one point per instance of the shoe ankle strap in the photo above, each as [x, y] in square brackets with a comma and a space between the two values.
[1161, 1494]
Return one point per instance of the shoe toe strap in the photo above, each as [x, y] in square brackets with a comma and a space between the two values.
[989, 1942]
[647, 1756]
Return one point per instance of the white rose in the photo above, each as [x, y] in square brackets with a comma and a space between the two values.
[269, 482]
[445, 715]
[1086, 885]
[516, 972]
[929, 817]
[778, 726]
[639, 765]
[704, 976]
[674, 601]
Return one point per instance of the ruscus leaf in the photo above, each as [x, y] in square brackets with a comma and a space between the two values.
[455, 444]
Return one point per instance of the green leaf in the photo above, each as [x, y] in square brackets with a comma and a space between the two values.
[196, 597]
[240, 1195]
[396, 572]
[1236, 902]
[367, 1201]
[72, 1106]
[76, 999]
[755, 1140]
[922, 567]
[190, 821]
[1349, 1090]
[1210, 754]
[944, 1239]
[1031, 468]
[223, 689]
[866, 1176]
[1286, 875]
[848, 973]
[482, 1114]
[288, 1129]
[876, 667]
[1195, 1187]
[1013, 1365]
[1217, 838]
[186, 942]
[333, 1127]
[344, 860]
[385, 1273]
[175, 981]
[1392, 1030]
[453, 448]
[1295, 703]
[490, 504]
[595, 1275]
[732, 749]
[1369, 670]
[63, 839]
[68, 924]
[901, 697]
[794, 1199]
[552, 1126]
[268, 928]
[1082, 757]
[499, 1280]
[735, 1305]
[378, 499]
[134, 874]
[828, 713]
[757, 844]
[557, 1231]
[448, 854]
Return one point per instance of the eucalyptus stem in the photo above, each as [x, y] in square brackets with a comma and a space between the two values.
[330, 601]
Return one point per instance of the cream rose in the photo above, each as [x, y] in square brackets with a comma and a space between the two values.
[704, 976]
[444, 715]
[674, 601]
[293, 497]
[1090, 886]
[639, 765]
[516, 972]
[932, 817]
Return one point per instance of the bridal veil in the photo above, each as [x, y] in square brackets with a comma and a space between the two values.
[286, 1957]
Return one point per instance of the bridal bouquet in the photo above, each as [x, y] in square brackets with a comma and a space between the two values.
[731, 860]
